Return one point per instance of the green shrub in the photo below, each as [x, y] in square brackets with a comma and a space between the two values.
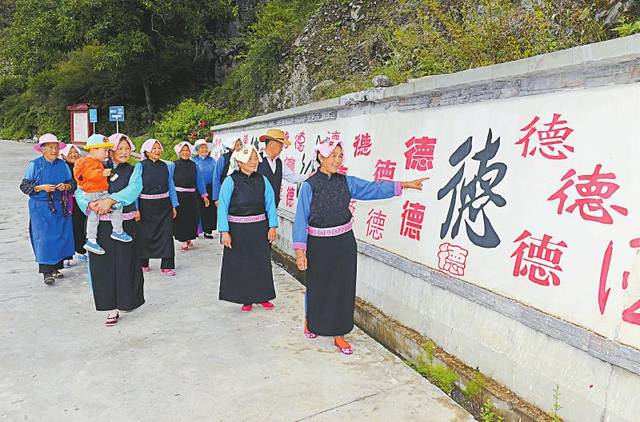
[182, 123]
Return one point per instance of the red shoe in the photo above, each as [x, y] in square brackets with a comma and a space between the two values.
[189, 244]
[307, 333]
[184, 248]
[145, 269]
[169, 272]
[267, 305]
[112, 320]
[342, 344]
[246, 308]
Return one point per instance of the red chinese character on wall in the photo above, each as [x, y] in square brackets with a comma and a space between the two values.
[245, 139]
[385, 170]
[452, 259]
[592, 190]
[300, 140]
[632, 313]
[286, 137]
[412, 217]
[375, 224]
[290, 163]
[539, 259]
[335, 135]
[550, 142]
[291, 196]
[419, 154]
[362, 145]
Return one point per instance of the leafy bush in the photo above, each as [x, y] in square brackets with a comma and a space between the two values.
[182, 123]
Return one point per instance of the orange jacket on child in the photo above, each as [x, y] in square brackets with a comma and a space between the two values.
[88, 172]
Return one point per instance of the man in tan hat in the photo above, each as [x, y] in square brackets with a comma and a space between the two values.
[271, 166]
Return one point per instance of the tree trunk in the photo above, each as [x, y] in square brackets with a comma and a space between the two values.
[147, 95]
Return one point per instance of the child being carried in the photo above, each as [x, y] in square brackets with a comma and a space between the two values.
[91, 176]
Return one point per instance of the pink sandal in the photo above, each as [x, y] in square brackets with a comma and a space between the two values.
[112, 320]
[344, 347]
[246, 308]
[184, 248]
[169, 272]
[145, 269]
[307, 333]
[267, 305]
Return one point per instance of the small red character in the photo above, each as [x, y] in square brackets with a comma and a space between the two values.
[412, 217]
[335, 135]
[452, 259]
[291, 196]
[592, 192]
[290, 163]
[419, 154]
[385, 170]
[300, 140]
[375, 224]
[362, 145]
[539, 259]
[549, 141]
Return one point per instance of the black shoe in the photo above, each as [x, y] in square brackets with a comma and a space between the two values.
[208, 236]
[49, 279]
[57, 274]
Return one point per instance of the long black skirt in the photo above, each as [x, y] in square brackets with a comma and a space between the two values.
[116, 276]
[246, 267]
[155, 230]
[79, 232]
[208, 216]
[185, 226]
[331, 284]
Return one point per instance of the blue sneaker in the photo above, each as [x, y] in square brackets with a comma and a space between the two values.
[94, 247]
[122, 237]
[81, 257]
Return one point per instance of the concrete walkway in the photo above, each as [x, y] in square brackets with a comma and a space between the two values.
[184, 355]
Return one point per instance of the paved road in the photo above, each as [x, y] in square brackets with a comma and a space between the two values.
[183, 356]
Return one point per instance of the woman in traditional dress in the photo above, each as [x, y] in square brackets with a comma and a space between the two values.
[189, 188]
[116, 277]
[325, 246]
[46, 181]
[247, 221]
[70, 154]
[222, 166]
[157, 207]
[206, 166]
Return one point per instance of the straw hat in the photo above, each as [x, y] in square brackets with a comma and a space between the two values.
[275, 135]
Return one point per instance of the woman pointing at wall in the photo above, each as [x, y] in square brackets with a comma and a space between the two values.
[324, 242]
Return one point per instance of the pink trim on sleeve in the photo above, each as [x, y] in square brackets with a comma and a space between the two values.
[397, 188]
[299, 246]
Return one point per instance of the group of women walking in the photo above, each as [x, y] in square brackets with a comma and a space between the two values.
[162, 201]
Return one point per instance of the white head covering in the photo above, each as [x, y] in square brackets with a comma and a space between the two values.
[242, 155]
[117, 137]
[181, 145]
[230, 142]
[147, 146]
[67, 149]
[200, 142]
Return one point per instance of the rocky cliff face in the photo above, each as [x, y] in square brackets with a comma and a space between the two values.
[346, 43]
